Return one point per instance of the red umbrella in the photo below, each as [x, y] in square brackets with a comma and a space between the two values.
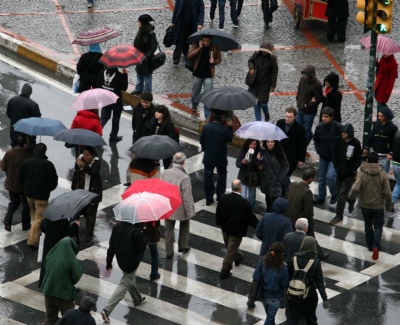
[122, 56]
[157, 186]
[96, 35]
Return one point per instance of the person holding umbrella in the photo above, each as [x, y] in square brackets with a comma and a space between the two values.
[89, 67]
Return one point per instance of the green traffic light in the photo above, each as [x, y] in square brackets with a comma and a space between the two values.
[381, 28]
[384, 2]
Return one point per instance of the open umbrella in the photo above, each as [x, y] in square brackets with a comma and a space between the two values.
[96, 35]
[94, 99]
[157, 186]
[155, 147]
[223, 40]
[142, 207]
[81, 137]
[260, 131]
[121, 56]
[385, 45]
[67, 205]
[39, 126]
[228, 98]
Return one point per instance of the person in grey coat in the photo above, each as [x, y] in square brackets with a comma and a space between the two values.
[293, 240]
[177, 175]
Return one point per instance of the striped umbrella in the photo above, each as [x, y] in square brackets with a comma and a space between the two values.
[121, 56]
[96, 35]
[385, 45]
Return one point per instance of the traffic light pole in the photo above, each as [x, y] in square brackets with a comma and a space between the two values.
[369, 101]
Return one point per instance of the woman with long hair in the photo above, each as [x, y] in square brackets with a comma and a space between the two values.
[249, 173]
[275, 280]
[273, 171]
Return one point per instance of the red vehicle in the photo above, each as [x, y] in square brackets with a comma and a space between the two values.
[309, 10]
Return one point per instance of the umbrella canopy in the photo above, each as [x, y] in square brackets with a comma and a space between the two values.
[260, 131]
[157, 186]
[80, 136]
[228, 98]
[142, 207]
[223, 40]
[96, 35]
[122, 56]
[94, 99]
[39, 126]
[155, 147]
[385, 45]
[67, 205]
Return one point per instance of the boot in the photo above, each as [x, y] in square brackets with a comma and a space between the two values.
[267, 117]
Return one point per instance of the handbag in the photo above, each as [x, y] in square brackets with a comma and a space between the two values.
[257, 287]
[189, 64]
[158, 60]
[75, 84]
[249, 81]
[167, 41]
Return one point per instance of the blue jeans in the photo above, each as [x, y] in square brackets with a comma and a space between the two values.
[209, 187]
[327, 174]
[257, 110]
[396, 189]
[143, 83]
[249, 193]
[197, 84]
[373, 225]
[385, 163]
[221, 11]
[307, 121]
[116, 110]
[154, 258]
[271, 307]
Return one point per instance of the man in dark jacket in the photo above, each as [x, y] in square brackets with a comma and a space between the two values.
[381, 138]
[295, 145]
[82, 315]
[128, 244]
[309, 95]
[11, 163]
[143, 117]
[293, 240]
[346, 159]
[213, 140]
[19, 107]
[337, 12]
[38, 178]
[187, 18]
[396, 166]
[234, 215]
[325, 137]
[89, 67]
[273, 226]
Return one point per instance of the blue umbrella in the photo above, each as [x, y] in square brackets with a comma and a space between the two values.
[39, 126]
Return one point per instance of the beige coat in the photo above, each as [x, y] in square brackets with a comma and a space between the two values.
[177, 175]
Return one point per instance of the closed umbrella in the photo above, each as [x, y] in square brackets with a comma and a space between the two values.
[39, 126]
[260, 131]
[121, 56]
[94, 99]
[80, 137]
[155, 147]
[228, 98]
[385, 45]
[223, 40]
[96, 35]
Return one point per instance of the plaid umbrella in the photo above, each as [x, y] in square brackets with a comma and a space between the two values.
[121, 56]
[96, 35]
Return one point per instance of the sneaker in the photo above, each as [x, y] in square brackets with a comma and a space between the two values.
[234, 25]
[333, 199]
[105, 314]
[375, 253]
[90, 5]
[184, 250]
[336, 220]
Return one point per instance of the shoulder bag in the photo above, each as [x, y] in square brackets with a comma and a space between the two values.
[158, 59]
[257, 287]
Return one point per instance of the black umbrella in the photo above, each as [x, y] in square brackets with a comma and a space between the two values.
[223, 40]
[155, 147]
[228, 98]
[67, 205]
[81, 137]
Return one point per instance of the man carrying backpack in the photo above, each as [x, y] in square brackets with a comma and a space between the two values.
[305, 274]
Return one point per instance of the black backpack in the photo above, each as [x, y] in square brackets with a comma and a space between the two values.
[299, 285]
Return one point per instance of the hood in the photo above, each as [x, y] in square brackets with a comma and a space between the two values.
[372, 169]
[280, 206]
[308, 246]
[348, 128]
[266, 47]
[333, 79]
[87, 114]
[26, 90]
[387, 112]
[86, 305]
[309, 70]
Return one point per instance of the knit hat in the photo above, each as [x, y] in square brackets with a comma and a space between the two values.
[266, 47]
[333, 79]
[308, 246]
[86, 305]
[387, 112]
[26, 90]
[145, 19]
[95, 48]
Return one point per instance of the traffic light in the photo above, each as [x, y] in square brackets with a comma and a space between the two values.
[384, 14]
[364, 16]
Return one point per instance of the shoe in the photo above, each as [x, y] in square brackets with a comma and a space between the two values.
[251, 304]
[127, 184]
[88, 238]
[194, 109]
[209, 202]
[169, 257]
[25, 228]
[154, 277]
[176, 62]
[139, 303]
[224, 274]
[351, 206]
[324, 256]
[239, 261]
[90, 5]
[115, 138]
[221, 29]
[209, 21]
[234, 25]
[32, 248]
[375, 253]
[318, 200]
[105, 314]
[336, 220]
[333, 200]
[184, 250]
[7, 228]
[266, 26]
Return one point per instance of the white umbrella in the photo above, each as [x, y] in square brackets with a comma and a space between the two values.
[260, 131]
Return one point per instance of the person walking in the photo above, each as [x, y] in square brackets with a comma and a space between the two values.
[299, 309]
[38, 178]
[221, 12]
[146, 42]
[294, 239]
[275, 280]
[11, 164]
[309, 96]
[337, 12]
[117, 82]
[87, 177]
[396, 166]
[89, 67]
[128, 244]
[332, 97]
[63, 271]
[265, 66]
[386, 75]
[239, 7]
[373, 188]
[213, 140]
[20, 107]
[177, 175]
[268, 8]
[274, 169]
[80, 316]
[143, 116]
[187, 18]
[233, 215]
[346, 160]
[206, 56]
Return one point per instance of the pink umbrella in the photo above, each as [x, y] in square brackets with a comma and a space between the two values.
[384, 45]
[94, 99]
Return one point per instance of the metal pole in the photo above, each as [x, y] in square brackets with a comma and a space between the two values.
[369, 101]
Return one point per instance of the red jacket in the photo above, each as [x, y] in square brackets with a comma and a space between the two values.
[87, 120]
[385, 78]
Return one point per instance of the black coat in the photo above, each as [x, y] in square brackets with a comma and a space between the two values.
[346, 166]
[77, 317]
[396, 147]
[95, 186]
[307, 90]
[147, 44]
[142, 121]
[88, 68]
[38, 177]
[337, 9]
[234, 215]
[165, 129]
[295, 145]
[292, 242]
[118, 84]
[325, 138]
[381, 137]
[334, 100]
[249, 174]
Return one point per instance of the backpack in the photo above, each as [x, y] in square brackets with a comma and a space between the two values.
[299, 285]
